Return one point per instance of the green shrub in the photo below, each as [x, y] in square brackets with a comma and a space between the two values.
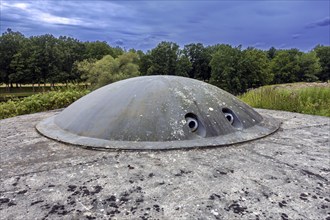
[58, 98]
[310, 100]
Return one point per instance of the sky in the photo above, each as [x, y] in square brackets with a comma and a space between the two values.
[142, 25]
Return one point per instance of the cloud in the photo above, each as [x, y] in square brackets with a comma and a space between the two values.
[51, 19]
[143, 24]
[259, 44]
[296, 36]
[38, 15]
[129, 33]
[22, 6]
[119, 42]
[194, 21]
[283, 46]
[321, 23]
[270, 12]
[45, 13]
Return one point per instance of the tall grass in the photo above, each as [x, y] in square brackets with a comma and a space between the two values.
[310, 100]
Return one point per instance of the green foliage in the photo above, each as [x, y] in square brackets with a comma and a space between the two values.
[48, 59]
[45, 58]
[271, 53]
[199, 57]
[254, 68]
[285, 66]
[145, 63]
[97, 50]
[183, 67]
[236, 70]
[309, 67]
[10, 44]
[323, 53]
[108, 69]
[41, 102]
[224, 65]
[295, 66]
[310, 100]
[164, 59]
[83, 68]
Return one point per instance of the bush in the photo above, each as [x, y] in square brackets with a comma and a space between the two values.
[41, 102]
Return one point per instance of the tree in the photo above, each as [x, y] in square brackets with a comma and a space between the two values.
[309, 67]
[144, 63]
[271, 53]
[98, 49]
[47, 57]
[164, 59]
[117, 51]
[224, 68]
[108, 69]
[183, 67]
[72, 50]
[20, 64]
[236, 71]
[83, 69]
[10, 43]
[323, 53]
[295, 66]
[254, 69]
[199, 57]
[285, 66]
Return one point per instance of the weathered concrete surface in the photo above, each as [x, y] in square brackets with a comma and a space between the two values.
[283, 176]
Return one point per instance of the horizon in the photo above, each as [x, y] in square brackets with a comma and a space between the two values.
[143, 24]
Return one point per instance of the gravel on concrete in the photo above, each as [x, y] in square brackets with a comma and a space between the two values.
[283, 176]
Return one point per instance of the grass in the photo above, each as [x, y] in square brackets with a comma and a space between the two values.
[314, 100]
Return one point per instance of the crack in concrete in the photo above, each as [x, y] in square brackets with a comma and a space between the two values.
[272, 158]
[304, 171]
[314, 174]
[308, 126]
[52, 169]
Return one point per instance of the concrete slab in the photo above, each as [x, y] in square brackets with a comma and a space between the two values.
[283, 176]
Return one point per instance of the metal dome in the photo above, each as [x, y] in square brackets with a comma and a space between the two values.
[157, 112]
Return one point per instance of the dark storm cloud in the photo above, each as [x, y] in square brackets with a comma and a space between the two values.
[321, 23]
[143, 24]
[8, 19]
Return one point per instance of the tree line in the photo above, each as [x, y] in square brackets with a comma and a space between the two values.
[47, 59]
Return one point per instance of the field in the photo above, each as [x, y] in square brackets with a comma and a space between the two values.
[28, 90]
[307, 98]
[59, 97]
[22, 92]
